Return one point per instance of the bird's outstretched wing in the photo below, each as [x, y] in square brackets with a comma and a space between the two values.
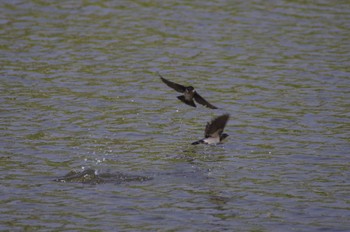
[216, 126]
[202, 101]
[179, 88]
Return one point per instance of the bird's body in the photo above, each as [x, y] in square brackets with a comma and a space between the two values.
[189, 94]
[213, 133]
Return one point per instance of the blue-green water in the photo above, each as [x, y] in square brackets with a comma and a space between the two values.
[79, 90]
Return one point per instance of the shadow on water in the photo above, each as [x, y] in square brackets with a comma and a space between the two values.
[91, 176]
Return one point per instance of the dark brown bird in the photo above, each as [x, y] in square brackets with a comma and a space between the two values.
[189, 93]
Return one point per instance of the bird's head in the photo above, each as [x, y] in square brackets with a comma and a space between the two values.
[223, 136]
[189, 89]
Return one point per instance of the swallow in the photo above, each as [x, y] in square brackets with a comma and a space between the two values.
[213, 133]
[189, 93]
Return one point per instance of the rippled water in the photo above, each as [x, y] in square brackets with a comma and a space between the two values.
[79, 90]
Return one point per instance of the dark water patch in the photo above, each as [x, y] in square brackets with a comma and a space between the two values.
[91, 176]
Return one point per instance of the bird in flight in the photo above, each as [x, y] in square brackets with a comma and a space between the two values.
[189, 93]
[213, 133]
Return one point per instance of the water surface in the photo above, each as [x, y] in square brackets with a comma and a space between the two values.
[79, 90]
